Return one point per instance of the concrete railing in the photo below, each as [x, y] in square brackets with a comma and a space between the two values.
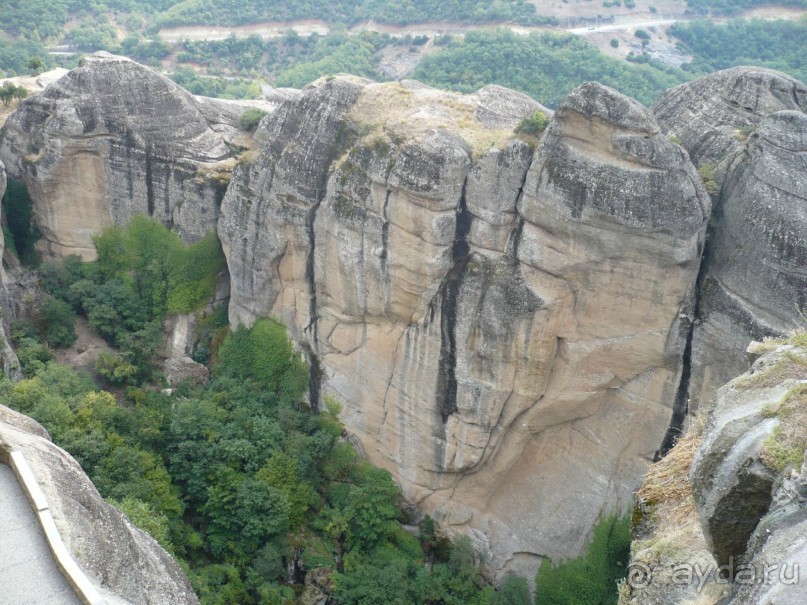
[84, 589]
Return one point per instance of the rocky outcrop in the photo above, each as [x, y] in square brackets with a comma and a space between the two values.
[124, 562]
[748, 481]
[713, 115]
[777, 552]
[755, 282]
[750, 437]
[113, 138]
[495, 321]
[497, 314]
[731, 484]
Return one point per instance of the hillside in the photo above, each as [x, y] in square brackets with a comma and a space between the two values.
[213, 50]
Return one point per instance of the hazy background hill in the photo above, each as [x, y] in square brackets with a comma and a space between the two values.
[543, 48]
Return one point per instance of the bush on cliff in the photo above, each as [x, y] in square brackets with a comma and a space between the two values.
[250, 119]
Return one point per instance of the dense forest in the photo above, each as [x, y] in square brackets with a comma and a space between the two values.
[237, 476]
[545, 66]
[735, 7]
[776, 44]
[349, 12]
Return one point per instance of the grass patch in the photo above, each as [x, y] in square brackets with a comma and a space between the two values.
[666, 486]
[791, 365]
[391, 113]
[798, 339]
[788, 441]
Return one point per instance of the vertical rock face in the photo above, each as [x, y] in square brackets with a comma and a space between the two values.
[713, 114]
[8, 359]
[748, 122]
[113, 138]
[495, 320]
[756, 273]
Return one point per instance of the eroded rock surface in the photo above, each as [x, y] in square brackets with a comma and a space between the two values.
[124, 562]
[713, 115]
[755, 278]
[495, 320]
[730, 482]
[8, 358]
[722, 518]
[113, 138]
[778, 547]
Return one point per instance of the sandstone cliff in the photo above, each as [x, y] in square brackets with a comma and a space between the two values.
[714, 114]
[126, 564]
[113, 138]
[513, 325]
[495, 320]
[747, 125]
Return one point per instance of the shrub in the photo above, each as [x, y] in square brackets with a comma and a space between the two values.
[707, 174]
[533, 124]
[263, 354]
[614, 43]
[33, 356]
[513, 591]
[251, 118]
[143, 516]
[115, 368]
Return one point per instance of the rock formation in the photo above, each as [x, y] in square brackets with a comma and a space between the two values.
[755, 278]
[497, 314]
[714, 114]
[494, 320]
[124, 562]
[113, 138]
[8, 358]
[749, 487]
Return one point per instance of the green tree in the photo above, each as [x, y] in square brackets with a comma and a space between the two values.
[513, 591]
[143, 516]
[592, 578]
[59, 321]
[35, 65]
[250, 119]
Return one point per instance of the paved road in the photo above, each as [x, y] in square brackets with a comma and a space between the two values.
[28, 573]
[613, 27]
